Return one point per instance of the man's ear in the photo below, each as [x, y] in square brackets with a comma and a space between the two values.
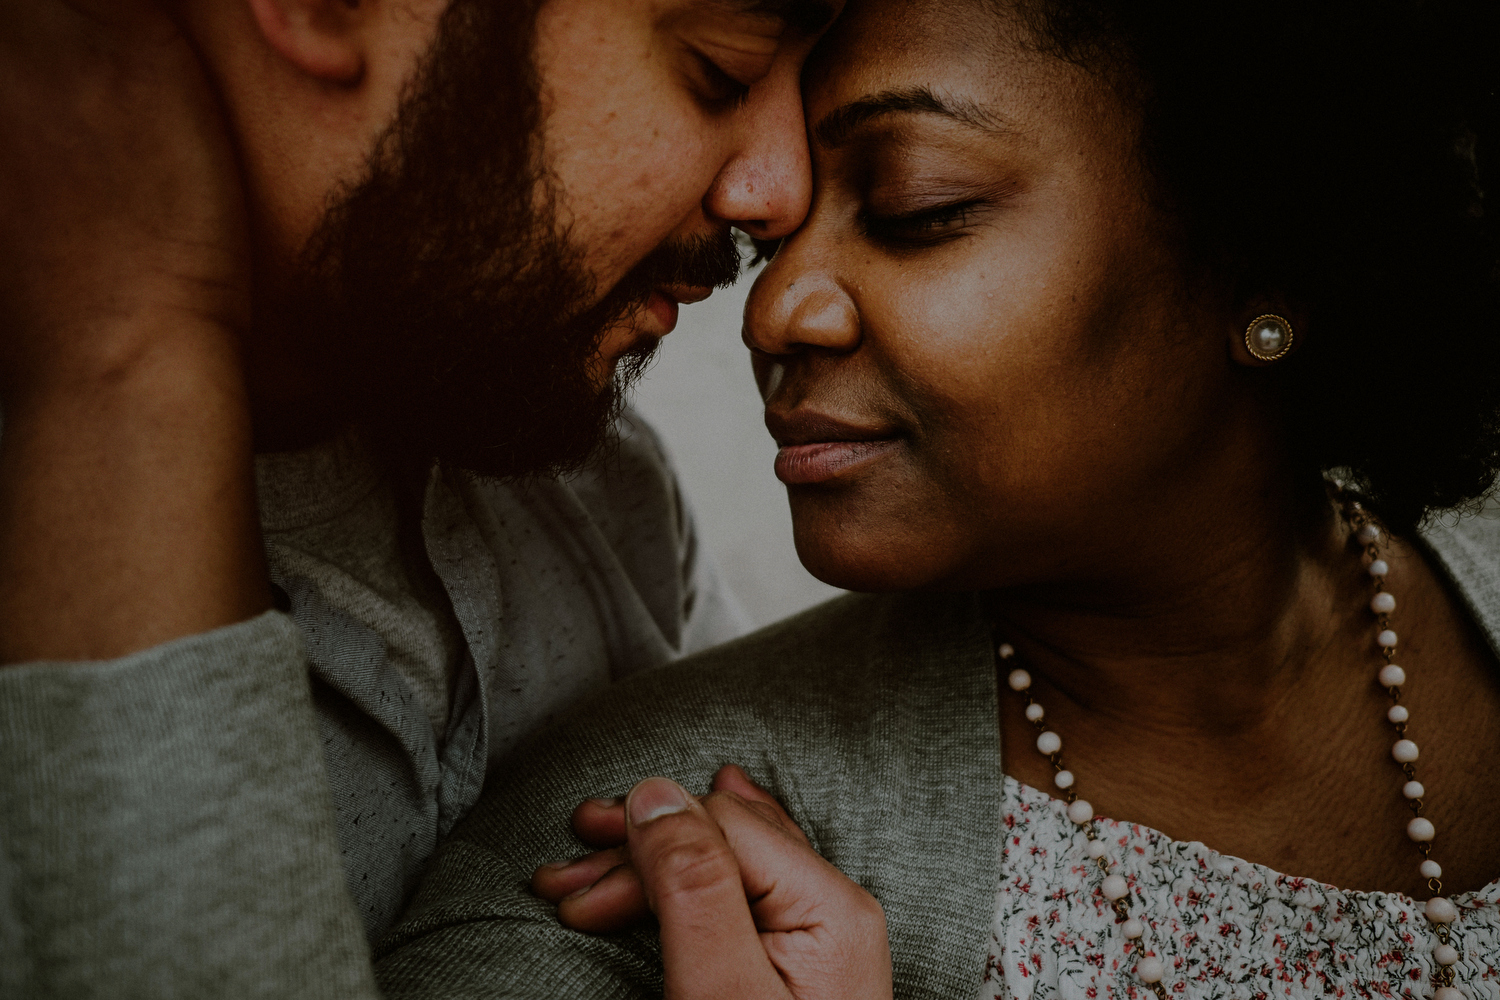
[321, 38]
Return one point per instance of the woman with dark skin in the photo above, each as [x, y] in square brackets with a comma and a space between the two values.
[1007, 353]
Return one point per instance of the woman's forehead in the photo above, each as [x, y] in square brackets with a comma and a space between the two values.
[975, 51]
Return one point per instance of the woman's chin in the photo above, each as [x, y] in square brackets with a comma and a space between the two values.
[842, 556]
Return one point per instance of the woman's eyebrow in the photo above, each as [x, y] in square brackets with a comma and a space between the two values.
[835, 128]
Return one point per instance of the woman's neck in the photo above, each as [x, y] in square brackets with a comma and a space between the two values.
[1232, 700]
[1207, 633]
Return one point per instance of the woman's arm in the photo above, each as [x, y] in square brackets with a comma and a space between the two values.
[745, 908]
[872, 718]
[127, 506]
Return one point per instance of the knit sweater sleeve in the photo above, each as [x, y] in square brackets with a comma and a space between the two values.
[474, 928]
[166, 828]
[871, 718]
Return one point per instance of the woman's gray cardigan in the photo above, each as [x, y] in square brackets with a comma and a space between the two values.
[873, 718]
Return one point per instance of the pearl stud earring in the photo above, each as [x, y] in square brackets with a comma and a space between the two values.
[1268, 337]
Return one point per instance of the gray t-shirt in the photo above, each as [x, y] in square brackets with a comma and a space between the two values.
[328, 515]
[441, 631]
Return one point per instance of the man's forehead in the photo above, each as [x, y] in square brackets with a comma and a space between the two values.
[803, 15]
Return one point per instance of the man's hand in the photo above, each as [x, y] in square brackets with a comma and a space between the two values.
[746, 907]
[601, 893]
[127, 510]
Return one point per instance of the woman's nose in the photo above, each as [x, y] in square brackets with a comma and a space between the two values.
[794, 309]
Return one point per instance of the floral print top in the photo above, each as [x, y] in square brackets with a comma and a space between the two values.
[1224, 927]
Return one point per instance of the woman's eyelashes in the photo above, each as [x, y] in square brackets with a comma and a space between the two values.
[923, 227]
[764, 250]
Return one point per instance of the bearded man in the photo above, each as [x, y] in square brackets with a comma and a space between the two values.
[314, 315]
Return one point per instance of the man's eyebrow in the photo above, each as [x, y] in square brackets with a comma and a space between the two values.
[808, 16]
[835, 128]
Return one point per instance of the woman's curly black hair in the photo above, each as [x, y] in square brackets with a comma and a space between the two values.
[1345, 156]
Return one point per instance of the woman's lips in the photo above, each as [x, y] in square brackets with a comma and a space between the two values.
[820, 461]
[817, 447]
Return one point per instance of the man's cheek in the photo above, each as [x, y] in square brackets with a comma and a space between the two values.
[617, 211]
[627, 240]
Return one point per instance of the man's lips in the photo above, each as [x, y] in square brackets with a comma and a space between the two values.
[817, 447]
[643, 329]
[661, 308]
[687, 294]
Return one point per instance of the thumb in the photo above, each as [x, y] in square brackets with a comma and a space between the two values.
[825, 934]
[710, 947]
[732, 778]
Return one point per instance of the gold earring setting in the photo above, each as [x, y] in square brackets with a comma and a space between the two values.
[1268, 337]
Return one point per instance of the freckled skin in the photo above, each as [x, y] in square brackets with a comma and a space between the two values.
[638, 156]
[641, 158]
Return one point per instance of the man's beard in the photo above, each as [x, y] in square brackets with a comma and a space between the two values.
[448, 314]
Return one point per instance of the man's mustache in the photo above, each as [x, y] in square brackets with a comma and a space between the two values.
[701, 261]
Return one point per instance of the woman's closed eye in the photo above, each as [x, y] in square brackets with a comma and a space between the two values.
[924, 227]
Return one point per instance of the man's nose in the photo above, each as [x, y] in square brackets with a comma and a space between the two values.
[765, 187]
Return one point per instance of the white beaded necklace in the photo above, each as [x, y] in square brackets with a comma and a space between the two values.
[1440, 911]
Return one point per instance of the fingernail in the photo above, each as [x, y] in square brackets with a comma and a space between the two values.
[556, 865]
[655, 798]
[607, 803]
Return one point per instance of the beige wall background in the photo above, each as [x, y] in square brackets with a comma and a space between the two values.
[701, 398]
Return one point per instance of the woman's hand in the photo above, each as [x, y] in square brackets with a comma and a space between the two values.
[746, 907]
